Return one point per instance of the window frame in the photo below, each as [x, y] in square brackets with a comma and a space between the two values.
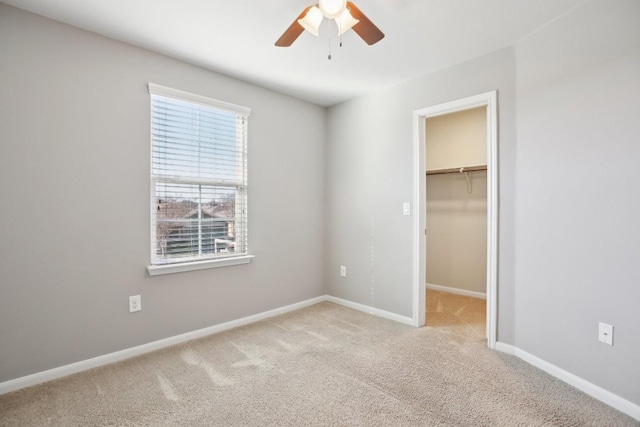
[192, 263]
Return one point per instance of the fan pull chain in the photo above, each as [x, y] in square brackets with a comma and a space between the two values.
[329, 25]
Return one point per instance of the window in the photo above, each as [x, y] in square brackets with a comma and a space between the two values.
[198, 181]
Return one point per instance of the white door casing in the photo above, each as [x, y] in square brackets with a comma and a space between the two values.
[488, 100]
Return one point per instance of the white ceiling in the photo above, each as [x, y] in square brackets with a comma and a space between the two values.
[236, 37]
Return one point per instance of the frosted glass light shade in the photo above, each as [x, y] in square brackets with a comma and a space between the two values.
[312, 20]
[332, 8]
[345, 21]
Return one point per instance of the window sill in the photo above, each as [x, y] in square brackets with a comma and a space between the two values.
[156, 270]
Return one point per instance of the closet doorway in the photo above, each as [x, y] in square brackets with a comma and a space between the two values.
[455, 226]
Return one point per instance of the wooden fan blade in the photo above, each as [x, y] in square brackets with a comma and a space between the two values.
[293, 32]
[365, 28]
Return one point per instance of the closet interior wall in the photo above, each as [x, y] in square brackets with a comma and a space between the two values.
[457, 201]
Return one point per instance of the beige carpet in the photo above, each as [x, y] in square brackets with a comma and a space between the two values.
[456, 313]
[325, 365]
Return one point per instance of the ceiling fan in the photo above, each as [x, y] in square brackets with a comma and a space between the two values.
[345, 14]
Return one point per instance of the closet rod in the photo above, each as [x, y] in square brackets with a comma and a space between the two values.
[457, 170]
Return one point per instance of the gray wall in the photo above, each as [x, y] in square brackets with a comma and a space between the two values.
[578, 200]
[370, 175]
[74, 191]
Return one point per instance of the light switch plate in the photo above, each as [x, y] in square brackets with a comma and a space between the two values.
[406, 208]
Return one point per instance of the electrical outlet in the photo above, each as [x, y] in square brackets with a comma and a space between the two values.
[135, 303]
[343, 271]
[605, 333]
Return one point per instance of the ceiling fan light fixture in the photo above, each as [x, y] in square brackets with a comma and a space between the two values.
[345, 22]
[345, 13]
[312, 20]
[332, 9]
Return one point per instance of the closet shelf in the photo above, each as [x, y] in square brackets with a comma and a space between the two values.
[457, 170]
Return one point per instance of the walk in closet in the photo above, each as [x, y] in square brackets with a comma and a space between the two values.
[456, 182]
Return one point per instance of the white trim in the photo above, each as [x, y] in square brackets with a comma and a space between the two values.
[63, 371]
[371, 310]
[456, 291]
[599, 393]
[492, 218]
[505, 348]
[155, 89]
[605, 396]
[488, 99]
[155, 270]
[419, 222]
[83, 365]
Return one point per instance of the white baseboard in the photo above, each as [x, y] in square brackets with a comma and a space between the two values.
[457, 291]
[593, 390]
[583, 385]
[63, 371]
[505, 348]
[83, 365]
[371, 310]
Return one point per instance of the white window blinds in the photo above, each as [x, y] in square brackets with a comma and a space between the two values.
[198, 177]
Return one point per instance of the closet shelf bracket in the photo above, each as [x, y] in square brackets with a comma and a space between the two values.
[466, 175]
